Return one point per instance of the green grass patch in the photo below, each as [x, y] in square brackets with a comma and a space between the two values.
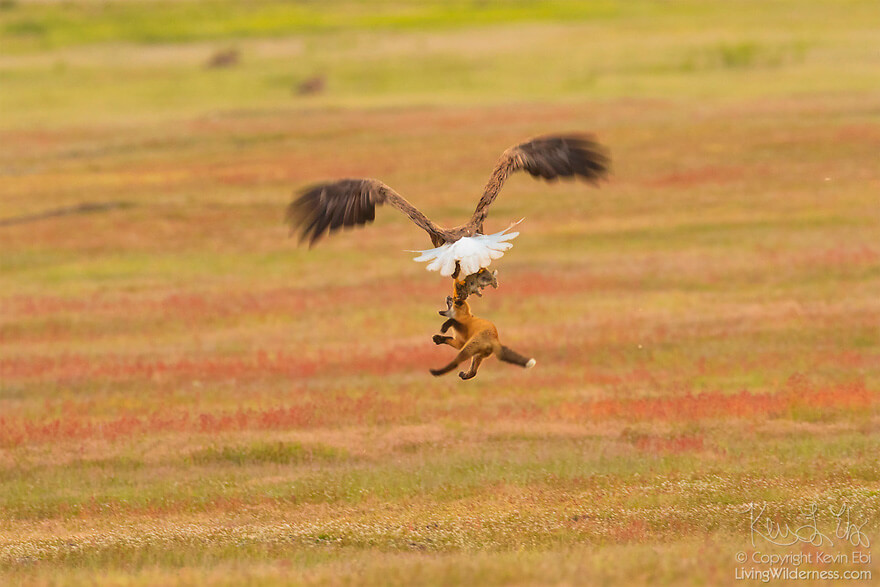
[281, 453]
[27, 25]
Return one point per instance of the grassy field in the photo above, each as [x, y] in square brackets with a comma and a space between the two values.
[187, 397]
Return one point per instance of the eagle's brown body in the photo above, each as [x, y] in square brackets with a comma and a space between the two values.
[327, 207]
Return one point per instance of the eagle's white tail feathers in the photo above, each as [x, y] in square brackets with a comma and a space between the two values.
[471, 252]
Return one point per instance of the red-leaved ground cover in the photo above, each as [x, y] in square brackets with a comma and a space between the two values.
[333, 410]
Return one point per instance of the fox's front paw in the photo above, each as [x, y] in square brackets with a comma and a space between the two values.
[439, 339]
[436, 372]
[466, 376]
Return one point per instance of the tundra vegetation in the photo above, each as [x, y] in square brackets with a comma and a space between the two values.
[186, 397]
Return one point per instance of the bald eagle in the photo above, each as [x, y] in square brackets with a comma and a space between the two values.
[463, 250]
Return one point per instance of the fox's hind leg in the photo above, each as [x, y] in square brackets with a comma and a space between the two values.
[468, 351]
[475, 364]
[461, 357]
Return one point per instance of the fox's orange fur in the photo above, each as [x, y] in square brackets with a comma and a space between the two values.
[476, 339]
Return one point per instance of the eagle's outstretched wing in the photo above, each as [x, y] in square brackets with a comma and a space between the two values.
[549, 157]
[326, 207]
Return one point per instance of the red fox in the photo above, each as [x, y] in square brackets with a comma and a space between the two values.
[476, 338]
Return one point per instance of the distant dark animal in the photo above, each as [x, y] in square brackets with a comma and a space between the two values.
[313, 85]
[224, 58]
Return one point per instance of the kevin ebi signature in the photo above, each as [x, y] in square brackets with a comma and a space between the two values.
[781, 534]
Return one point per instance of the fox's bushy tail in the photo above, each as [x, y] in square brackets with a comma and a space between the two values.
[509, 355]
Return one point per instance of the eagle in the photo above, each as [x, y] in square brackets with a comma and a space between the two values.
[463, 250]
